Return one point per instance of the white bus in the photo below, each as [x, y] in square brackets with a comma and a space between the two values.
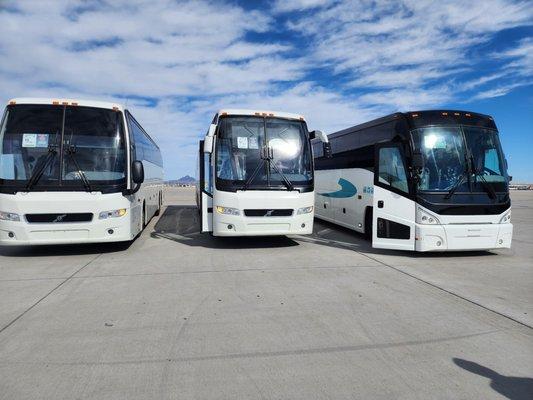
[75, 171]
[423, 181]
[256, 174]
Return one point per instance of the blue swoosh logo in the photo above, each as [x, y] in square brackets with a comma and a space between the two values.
[347, 190]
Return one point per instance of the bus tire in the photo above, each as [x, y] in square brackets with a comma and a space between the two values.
[368, 223]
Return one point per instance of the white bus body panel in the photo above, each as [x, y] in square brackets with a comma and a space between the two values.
[343, 196]
[398, 209]
[241, 225]
[207, 212]
[464, 232]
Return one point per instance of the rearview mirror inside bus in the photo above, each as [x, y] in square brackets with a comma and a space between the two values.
[137, 172]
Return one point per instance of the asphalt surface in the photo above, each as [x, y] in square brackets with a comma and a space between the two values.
[181, 315]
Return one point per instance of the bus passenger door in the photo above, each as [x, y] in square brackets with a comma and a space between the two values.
[205, 190]
[393, 225]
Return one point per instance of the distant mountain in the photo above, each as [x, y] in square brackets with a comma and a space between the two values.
[184, 180]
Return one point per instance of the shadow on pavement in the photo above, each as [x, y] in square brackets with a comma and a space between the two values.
[182, 224]
[512, 387]
[63, 249]
[329, 234]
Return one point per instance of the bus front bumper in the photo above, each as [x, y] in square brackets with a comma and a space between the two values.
[456, 237]
[21, 233]
[238, 225]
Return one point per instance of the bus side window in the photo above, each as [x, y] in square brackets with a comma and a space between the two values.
[391, 168]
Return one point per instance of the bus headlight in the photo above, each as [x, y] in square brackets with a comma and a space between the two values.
[227, 210]
[423, 217]
[9, 216]
[305, 210]
[113, 213]
[506, 219]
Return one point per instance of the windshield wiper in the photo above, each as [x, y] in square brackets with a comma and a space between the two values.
[71, 150]
[477, 174]
[288, 183]
[38, 173]
[488, 188]
[459, 182]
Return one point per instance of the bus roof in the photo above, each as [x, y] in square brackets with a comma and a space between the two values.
[260, 113]
[417, 119]
[63, 101]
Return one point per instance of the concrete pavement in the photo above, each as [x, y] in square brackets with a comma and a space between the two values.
[180, 315]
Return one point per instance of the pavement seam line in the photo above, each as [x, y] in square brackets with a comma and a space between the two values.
[447, 291]
[48, 294]
[349, 246]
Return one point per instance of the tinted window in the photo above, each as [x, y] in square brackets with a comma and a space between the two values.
[145, 148]
[391, 168]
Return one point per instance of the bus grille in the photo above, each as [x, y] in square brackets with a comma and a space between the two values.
[58, 218]
[287, 212]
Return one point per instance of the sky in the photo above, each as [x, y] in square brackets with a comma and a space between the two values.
[339, 63]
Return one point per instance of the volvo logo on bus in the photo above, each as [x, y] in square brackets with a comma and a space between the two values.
[59, 218]
[269, 213]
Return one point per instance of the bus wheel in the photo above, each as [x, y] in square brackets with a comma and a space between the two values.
[368, 223]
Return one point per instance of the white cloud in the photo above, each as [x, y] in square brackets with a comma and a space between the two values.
[194, 56]
[299, 5]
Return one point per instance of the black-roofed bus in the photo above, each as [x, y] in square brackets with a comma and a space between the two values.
[420, 181]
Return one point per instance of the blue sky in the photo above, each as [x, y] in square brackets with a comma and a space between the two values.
[337, 62]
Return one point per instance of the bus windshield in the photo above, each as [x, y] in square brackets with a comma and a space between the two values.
[456, 157]
[255, 152]
[44, 146]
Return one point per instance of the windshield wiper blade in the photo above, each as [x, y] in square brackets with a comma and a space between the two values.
[458, 183]
[288, 183]
[488, 188]
[37, 174]
[71, 150]
[252, 177]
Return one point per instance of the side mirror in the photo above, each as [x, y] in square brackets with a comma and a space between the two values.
[137, 172]
[418, 160]
[318, 135]
[510, 178]
[327, 149]
[208, 141]
[208, 144]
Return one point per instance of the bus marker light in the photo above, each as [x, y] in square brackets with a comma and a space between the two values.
[444, 113]
[414, 115]
[439, 243]
[55, 103]
[12, 235]
[456, 114]
[65, 103]
[12, 102]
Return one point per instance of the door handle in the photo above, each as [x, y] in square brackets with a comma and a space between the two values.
[380, 204]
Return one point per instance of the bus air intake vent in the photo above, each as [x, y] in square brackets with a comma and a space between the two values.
[286, 212]
[58, 218]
